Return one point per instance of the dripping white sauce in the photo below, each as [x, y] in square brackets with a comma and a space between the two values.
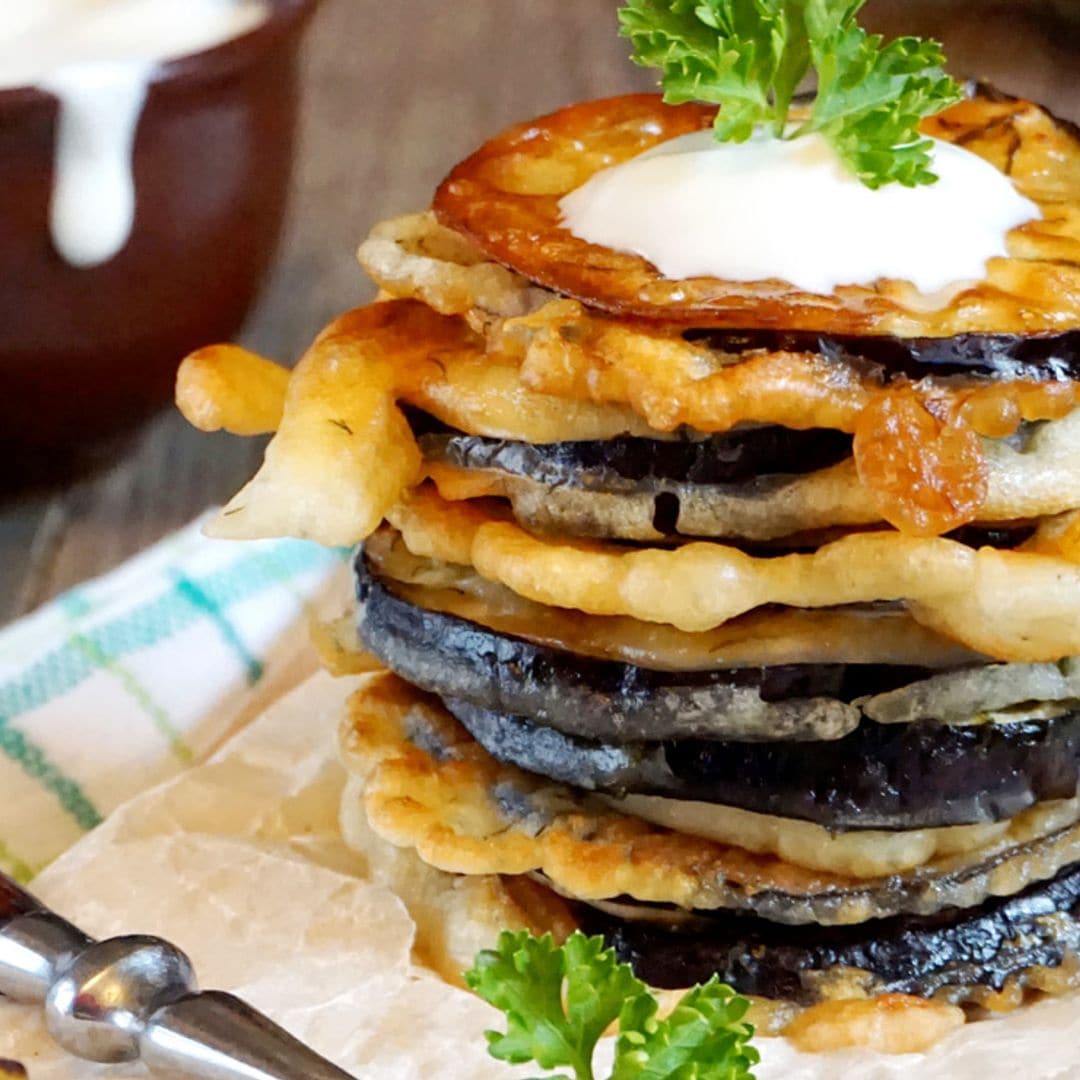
[98, 57]
[791, 210]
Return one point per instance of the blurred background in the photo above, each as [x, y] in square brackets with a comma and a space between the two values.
[393, 95]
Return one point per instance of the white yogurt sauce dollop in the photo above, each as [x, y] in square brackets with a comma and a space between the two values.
[791, 210]
[98, 58]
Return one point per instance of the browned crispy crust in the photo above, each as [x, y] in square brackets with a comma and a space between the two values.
[505, 197]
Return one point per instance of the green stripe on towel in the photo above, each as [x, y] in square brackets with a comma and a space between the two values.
[15, 745]
[198, 598]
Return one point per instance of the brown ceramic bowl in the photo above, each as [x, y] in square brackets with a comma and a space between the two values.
[85, 354]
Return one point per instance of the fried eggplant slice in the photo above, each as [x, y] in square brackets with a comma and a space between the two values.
[431, 788]
[881, 634]
[505, 198]
[1009, 605]
[916, 446]
[608, 700]
[751, 485]
[414, 257]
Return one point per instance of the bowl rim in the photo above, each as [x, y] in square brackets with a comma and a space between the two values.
[285, 18]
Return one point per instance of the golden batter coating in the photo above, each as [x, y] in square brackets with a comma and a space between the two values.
[889, 1024]
[456, 915]
[344, 452]
[415, 258]
[1008, 605]
[760, 639]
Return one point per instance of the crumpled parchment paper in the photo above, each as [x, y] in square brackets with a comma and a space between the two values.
[239, 863]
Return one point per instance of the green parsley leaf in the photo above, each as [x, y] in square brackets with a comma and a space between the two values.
[749, 56]
[559, 1002]
[703, 1038]
[723, 54]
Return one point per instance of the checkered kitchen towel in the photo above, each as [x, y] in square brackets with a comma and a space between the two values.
[129, 679]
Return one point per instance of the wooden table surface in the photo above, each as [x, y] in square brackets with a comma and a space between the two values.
[395, 94]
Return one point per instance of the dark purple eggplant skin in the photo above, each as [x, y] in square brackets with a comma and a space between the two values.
[1001, 537]
[632, 463]
[951, 952]
[579, 695]
[881, 776]
[993, 357]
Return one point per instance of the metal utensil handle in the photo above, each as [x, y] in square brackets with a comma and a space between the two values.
[136, 997]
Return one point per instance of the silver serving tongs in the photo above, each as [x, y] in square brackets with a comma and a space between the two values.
[133, 998]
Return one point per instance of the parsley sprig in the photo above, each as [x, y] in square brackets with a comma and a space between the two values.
[559, 1002]
[749, 57]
